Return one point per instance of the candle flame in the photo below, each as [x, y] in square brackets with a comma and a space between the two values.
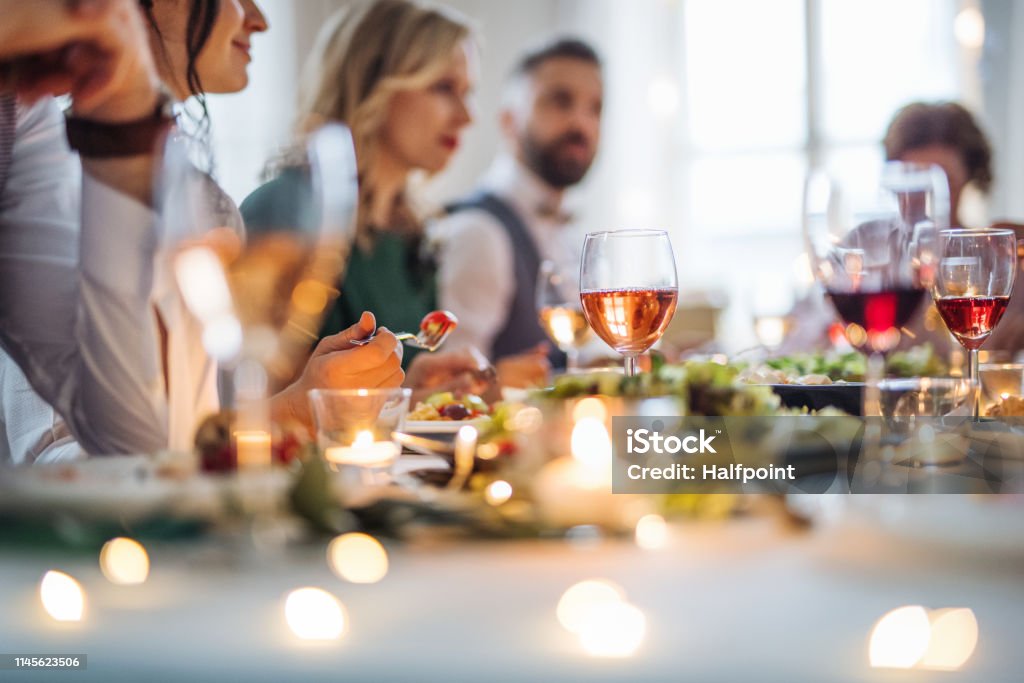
[363, 439]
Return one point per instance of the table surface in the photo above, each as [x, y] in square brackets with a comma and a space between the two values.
[746, 599]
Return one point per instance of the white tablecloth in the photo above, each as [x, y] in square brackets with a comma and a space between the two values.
[744, 600]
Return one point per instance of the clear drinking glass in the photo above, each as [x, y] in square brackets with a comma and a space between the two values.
[972, 286]
[628, 289]
[355, 427]
[561, 311]
[872, 244]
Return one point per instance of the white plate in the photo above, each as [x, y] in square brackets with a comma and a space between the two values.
[442, 426]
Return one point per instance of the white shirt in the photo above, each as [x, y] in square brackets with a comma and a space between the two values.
[81, 323]
[476, 278]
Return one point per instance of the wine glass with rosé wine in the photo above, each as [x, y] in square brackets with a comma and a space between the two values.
[628, 289]
[975, 274]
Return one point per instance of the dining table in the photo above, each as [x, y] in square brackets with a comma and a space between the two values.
[766, 595]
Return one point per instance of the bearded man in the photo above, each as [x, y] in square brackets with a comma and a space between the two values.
[494, 241]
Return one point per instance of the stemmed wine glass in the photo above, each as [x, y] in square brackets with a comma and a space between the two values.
[972, 287]
[872, 248]
[628, 289]
[561, 311]
[261, 297]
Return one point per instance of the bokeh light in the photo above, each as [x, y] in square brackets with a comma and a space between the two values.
[62, 596]
[358, 558]
[314, 614]
[900, 638]
[124, 562]
[580, 599]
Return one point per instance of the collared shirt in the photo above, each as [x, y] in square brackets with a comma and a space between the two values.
[476, 278]
[78, 311]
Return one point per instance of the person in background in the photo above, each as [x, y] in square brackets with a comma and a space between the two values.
[495, 240]
[399, 75]
[946, 134]
[108, 372]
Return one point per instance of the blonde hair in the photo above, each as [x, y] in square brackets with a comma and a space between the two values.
[363, 56]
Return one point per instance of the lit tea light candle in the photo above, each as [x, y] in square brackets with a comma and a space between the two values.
[124, 562]
[253, 448]
[314, 614]
[364, 452]
[358, 558]
[578, 489]
[62, 596]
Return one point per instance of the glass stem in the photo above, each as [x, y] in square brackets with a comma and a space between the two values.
[632, 368]
[572, 359]
[972, 375]
[874, 373]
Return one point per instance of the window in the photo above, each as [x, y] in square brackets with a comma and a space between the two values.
[765, 91]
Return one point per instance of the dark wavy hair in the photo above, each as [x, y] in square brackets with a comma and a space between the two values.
[920, 124]
[201, 17]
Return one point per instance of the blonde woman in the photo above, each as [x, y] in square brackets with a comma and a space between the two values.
[399, 74]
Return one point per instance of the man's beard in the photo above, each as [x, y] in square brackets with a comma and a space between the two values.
[545, 161]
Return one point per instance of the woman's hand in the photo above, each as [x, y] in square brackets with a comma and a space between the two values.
[337, 364]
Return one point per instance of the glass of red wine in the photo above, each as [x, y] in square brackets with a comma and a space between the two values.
[872, 244]
[628, 289]
[972, 286]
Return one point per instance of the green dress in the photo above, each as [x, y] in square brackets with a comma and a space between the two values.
[393, 278]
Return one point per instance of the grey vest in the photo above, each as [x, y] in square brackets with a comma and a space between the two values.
[521, 330]
[8, 123]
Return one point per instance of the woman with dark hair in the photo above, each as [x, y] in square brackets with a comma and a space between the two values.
[199, 47]
[945, 134]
